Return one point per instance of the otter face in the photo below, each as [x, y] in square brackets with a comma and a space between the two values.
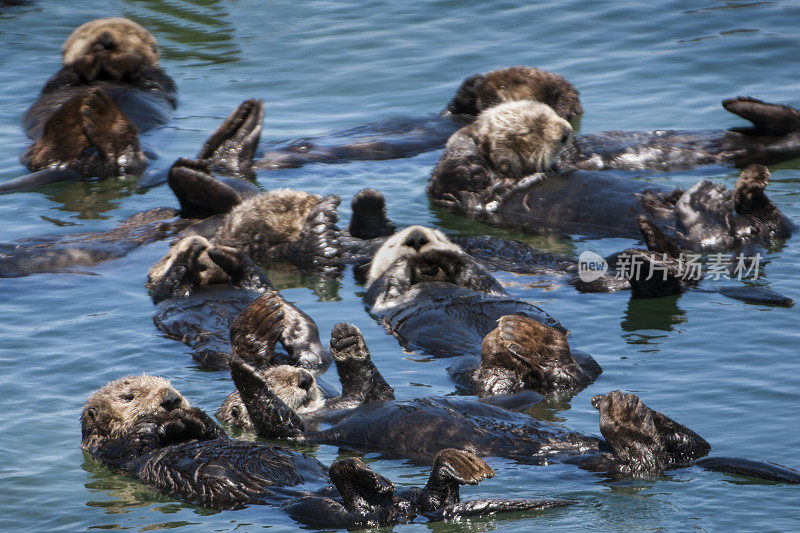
[409, 241]
[521, 138]
[114, 410]
[190, 257]
[109, 48]
[295, 386]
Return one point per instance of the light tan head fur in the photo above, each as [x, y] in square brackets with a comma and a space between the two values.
[274, 217]
[112, 410]
[411, 240]
[520, 138]
[128, 37]
[295, 386]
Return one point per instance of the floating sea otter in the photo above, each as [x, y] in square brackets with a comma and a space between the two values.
[87, 120]
[495, 170]
[144, 428]
[638, 441]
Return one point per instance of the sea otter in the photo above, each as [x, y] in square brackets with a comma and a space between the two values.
[88, 117]
[435, 298]
[144, 428]
[496, 170]
[637, 442]
[216, 300]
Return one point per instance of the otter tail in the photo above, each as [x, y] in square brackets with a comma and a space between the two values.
[749, 468]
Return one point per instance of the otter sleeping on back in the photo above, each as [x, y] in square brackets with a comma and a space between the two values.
[496, 170]
[435, 298]
[144, 428]
[88, 117]
[638, 441]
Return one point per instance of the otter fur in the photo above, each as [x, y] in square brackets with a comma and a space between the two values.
[481, 91]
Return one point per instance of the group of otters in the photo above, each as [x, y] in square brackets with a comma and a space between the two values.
[510, 160]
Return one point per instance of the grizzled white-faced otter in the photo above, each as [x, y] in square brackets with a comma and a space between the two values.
[638, 441]
[495, 170]
[88, 117]
[143, 427]
[435, 298]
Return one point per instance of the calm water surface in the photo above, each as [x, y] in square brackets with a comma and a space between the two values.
[724, 368]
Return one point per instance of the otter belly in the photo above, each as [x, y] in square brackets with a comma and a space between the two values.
[589, 203]
[442, 319]
[424, 426]
[224, 474]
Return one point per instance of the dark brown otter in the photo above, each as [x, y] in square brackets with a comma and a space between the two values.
[639, 442]
[88, 117]
[144, 428]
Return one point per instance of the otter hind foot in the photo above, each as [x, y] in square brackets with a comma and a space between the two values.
[318, 243]
[750, 468]
[232, 147]
[257, 329]
[768, 119]
[361, 381]
[655, 239]
[490, 507]
[199, 193]
[368, 219]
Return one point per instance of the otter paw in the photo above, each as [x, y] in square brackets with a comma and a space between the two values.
[319, 238]
[232, 146]
[355, 481]
[348, 343]
[464, 468]
[199, 193]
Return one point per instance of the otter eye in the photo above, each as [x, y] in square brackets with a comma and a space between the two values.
[127, 397]
[91, 413]
[235, 412]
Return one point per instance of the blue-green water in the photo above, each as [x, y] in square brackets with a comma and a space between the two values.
[724, 368]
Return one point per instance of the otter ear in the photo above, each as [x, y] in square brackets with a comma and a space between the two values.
[91, 413]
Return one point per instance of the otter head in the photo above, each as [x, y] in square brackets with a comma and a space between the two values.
[521, 138]
[296, 387]
[144, 410]
[480, 92]
[645, 442]
[412, 240]
[109, 49]
[186, 265]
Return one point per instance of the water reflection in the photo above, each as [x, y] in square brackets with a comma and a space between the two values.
[91, 199]
[200, 29]
[651, 314]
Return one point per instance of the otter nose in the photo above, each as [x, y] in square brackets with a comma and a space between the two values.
[566, 133]
[171, 400]
[306, 380]
[104, 42]
[416, 240]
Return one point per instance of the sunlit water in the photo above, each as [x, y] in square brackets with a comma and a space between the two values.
[724, 368]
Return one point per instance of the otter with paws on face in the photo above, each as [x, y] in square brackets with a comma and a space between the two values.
[88, 117]
[144, 428]
[497, 170]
